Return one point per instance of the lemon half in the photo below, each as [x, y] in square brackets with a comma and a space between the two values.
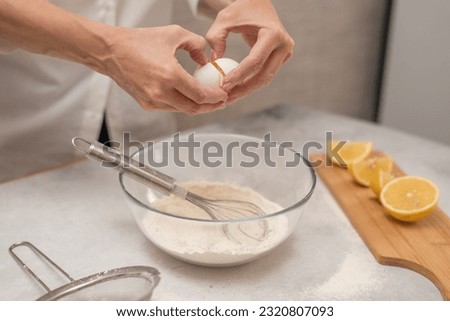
[367, 170]
[381, 179]
[409, 198]
[344, 153]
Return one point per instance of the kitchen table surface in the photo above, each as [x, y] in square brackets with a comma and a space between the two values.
[78, 215]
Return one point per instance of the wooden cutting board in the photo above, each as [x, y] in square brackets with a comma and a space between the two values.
[422, 246]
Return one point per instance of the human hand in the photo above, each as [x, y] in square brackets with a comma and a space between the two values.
[271, 45]
[143, 62]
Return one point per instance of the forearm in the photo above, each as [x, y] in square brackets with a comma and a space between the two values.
[43, 28]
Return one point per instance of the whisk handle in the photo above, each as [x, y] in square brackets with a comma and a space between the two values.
[112, 158]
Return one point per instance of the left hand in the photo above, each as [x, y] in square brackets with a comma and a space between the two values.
[271, 45]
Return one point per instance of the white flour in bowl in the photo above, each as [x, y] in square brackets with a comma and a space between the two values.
[213, 243]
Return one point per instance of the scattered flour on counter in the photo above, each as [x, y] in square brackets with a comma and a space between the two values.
[354, 280]
[206, 243]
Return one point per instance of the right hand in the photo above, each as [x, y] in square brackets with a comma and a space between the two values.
[271, 45]
[143, 62]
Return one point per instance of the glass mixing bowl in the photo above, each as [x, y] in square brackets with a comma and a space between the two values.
[277, 173]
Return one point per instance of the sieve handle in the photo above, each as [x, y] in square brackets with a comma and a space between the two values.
[112, 158]
[40, 254]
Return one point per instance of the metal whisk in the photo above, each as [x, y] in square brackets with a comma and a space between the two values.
[218, 210]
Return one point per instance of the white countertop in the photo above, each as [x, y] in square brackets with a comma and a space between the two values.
[79, 217]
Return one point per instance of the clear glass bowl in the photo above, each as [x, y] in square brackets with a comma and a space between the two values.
[279, 174]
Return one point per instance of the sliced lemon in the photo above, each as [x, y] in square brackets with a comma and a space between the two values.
[409, 198]
[381, 179]
[344, 153]
[366, 171]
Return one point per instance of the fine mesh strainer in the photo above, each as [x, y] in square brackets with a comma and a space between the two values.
[131, 283]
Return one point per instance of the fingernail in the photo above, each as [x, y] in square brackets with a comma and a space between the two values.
[227, 86]
[213, 55]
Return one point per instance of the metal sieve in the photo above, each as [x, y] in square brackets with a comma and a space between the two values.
[131, 283]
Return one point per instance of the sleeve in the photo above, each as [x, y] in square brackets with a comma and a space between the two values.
[208, 8]
[193, 4]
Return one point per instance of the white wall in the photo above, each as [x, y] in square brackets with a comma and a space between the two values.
[416, 89]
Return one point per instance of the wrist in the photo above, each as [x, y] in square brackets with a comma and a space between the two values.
[92, 45]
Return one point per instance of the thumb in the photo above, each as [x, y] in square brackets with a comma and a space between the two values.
[195, 46]
[217, 40]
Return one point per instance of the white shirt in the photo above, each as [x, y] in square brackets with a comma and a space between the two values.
[46, 101]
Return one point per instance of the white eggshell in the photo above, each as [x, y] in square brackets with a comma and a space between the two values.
[209, 75]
